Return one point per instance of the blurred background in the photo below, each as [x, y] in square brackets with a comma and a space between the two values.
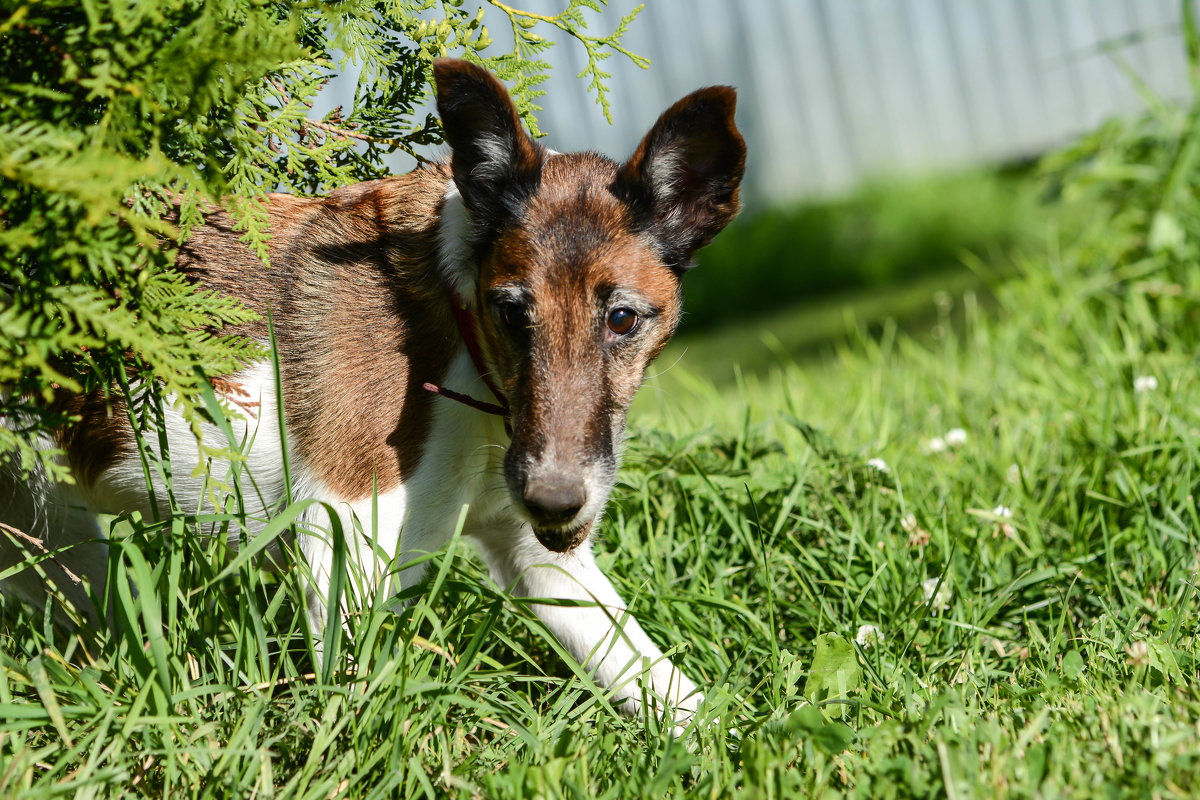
[892, 143]
[833, 93]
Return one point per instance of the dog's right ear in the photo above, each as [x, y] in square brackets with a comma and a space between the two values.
[496, 166]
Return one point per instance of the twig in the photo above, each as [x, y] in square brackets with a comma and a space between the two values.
[516, 12]
[37, 544]
[425, 644]
[235, 393]
[342, 133]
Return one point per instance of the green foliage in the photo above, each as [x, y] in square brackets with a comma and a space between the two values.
[834, 673]
[1032, 581]
[121, 120]
[885, 234]
[571, 21]
[1141, 177]
[1054, 654]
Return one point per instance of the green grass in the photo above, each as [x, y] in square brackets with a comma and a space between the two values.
[812, 330]
[1048, 653]
[884, 235]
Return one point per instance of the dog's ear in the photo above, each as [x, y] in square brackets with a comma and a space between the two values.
[496, 166]
[683, 179]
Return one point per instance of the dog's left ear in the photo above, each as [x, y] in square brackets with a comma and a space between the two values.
[684, 177]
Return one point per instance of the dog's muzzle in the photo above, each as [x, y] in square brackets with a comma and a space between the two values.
[554, 503]
[563, 540]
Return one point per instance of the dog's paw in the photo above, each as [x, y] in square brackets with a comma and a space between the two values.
[670, 695]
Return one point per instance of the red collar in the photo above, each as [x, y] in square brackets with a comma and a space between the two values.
[466, 329]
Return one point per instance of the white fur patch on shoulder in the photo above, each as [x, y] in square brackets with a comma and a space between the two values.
[454, 245]
[122, 486]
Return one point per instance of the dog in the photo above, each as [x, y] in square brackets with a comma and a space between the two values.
[469, 334]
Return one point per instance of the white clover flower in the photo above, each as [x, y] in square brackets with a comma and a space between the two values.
[867, 635]
[917, 536]
[956, 437]
[1004, 527]
[936, 445]
[1145, 383]
[879, 465]
[1137, 654]
[1013, 474]
[939, 601]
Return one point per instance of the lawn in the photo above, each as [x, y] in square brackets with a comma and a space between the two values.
[951, 558]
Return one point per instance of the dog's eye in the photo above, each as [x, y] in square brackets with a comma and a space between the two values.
[513, 316]
[622, 321]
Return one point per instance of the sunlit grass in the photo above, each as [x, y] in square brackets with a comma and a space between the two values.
[1031, 582]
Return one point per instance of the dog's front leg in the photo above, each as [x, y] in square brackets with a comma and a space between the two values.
[601, 634]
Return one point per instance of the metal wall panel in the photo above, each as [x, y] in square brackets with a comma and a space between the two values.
[836, 91]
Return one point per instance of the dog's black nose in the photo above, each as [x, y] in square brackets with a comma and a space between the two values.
[554, 500]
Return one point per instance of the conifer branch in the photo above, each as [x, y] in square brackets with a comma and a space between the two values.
[125, 122]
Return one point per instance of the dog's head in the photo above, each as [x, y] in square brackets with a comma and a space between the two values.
[573, 264]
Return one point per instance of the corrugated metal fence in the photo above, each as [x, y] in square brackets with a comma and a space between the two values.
[834, 91]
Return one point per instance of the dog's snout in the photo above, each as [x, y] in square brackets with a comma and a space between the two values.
[554, 500]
